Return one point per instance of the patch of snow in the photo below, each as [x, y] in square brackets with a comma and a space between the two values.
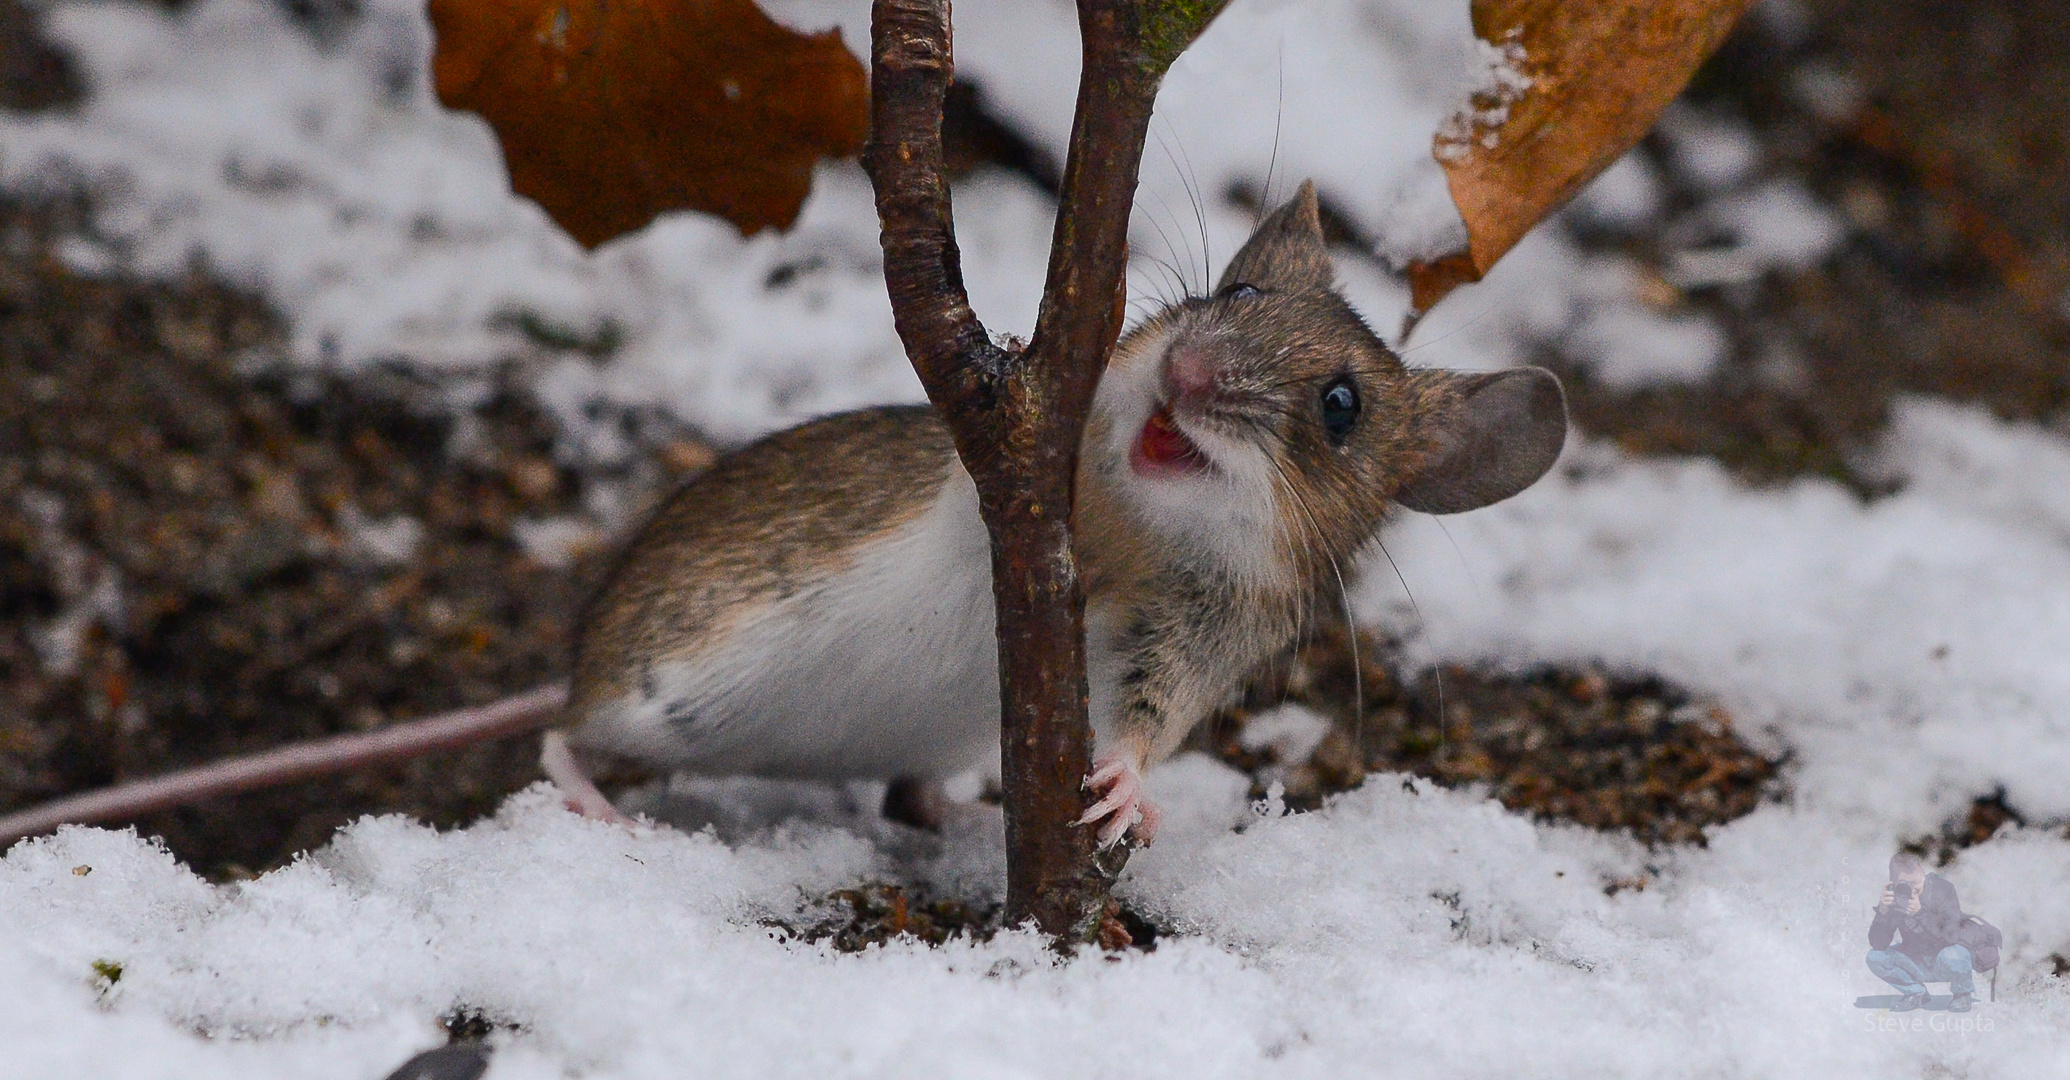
[556, 541]
[1626, 196]
[389, 541]
[87, 586]
[1500, 82]
[1789, 22]
[1292, 731]
[1908, 650]
[1776, 226]
[1831, 95]
[1627, 344]
[1710, 150]
[1403, 930]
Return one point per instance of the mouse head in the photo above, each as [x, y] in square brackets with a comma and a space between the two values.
[1270, 423]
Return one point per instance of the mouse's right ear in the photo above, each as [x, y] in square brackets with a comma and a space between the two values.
[1504, 431]
[1286, 251]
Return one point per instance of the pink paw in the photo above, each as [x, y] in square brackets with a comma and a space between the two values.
[578, 792]
[593, 805]
[1122, 810]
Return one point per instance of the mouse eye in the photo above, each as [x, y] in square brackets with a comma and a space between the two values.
[1240, 290]
[1340, 408]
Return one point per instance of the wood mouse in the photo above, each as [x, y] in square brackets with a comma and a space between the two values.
[819, 604]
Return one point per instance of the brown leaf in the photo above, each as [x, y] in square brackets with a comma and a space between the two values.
[1599, 73]
[613, 112]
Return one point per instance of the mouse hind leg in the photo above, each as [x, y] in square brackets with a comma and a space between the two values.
[558, 761]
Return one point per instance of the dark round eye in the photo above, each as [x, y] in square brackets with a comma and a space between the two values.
[1340, 408]
[1240, 290]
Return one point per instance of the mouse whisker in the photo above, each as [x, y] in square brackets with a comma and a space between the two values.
[1185, 286]
[1279, 114]
[1358, 684]
[1172, 275]
[1185, 175]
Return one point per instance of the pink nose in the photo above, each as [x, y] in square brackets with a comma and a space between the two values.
[1191, 371]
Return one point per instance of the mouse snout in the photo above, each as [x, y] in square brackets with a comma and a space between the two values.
[1192, 374]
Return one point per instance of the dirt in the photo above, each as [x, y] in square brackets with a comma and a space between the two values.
[201, 553]
[1952, 279]
[1617, 751]
[204, 554]
[851, 920]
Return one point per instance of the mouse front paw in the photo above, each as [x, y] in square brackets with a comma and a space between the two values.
[1121, 810]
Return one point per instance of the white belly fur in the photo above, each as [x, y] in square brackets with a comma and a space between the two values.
[888, 668]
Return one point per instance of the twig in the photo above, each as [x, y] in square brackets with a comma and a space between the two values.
[398, 742]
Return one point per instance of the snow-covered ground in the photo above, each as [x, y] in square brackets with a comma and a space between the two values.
[1912, 654]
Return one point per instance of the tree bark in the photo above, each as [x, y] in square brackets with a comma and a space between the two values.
[1018, 416]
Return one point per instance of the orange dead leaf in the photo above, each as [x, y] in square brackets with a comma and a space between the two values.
[1574, 85]
[613, 112]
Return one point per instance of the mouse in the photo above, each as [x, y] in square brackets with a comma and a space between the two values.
[818, 604]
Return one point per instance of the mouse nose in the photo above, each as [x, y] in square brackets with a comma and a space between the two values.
[1191, 372]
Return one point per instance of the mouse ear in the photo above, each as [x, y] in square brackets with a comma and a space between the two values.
[1503, 433]
[1286, 251]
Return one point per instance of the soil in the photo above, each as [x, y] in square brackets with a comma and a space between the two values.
[1952, 281]
[203, 553]
[1611, 751]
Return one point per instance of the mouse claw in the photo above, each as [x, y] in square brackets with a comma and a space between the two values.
[1121, 810]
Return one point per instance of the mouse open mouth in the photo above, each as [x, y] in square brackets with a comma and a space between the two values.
[1163, 450]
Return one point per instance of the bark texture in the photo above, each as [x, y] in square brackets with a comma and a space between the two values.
[1018, 414]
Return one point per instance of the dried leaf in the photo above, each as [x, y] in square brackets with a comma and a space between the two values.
[1571, 87]
[612, 113]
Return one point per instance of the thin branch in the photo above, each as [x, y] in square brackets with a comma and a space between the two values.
[399, 742]
[1018, 419]
[910, 72]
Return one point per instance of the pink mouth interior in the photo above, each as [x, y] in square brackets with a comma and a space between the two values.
[1163, 448]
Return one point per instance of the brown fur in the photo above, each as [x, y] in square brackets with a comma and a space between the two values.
[1193, 630]
[765, 521]
[1188, 625]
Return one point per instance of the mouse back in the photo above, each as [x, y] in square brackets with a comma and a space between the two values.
[763, 523]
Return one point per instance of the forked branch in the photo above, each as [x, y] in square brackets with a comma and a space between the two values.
[1018, 417]
[910, 73]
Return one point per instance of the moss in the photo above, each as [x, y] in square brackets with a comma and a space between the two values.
[1169, 26]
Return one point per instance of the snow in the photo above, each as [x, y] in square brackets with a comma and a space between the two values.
[1502, 83]
[1404, 930]
[1627, 195]
[390, 541]
[1626, 343]
[1776, 226]
[1907, 652]
[1291, 731]
[1711, 151]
